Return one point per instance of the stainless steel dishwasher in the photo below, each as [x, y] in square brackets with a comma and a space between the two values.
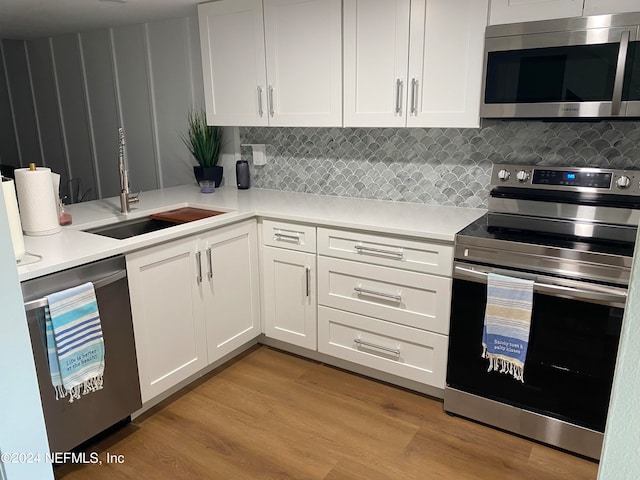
[71, 424]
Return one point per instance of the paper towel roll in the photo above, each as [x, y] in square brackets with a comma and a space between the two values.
[38, 211]
[15, 227]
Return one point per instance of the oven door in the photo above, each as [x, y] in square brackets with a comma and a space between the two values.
[573, 343]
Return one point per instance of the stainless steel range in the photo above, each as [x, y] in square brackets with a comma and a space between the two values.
[572, 231]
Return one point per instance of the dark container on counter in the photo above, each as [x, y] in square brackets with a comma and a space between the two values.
[242, 174]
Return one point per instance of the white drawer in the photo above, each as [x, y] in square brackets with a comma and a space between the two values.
[389, 251]
[289, 235]
[409, 298]
[403, 351]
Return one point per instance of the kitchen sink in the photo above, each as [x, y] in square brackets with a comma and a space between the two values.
[154, 222]
[131, 228]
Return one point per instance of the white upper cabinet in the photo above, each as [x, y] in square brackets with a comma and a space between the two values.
[600, 7]
[513, 11]
[376, 49]
[445, 62]
[415, 63]
[281, 66]
[233, 62]
[304, 62]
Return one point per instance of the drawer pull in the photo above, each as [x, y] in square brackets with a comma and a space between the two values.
[378, 251]
[286, 236]
[392, 296]
[359, 342]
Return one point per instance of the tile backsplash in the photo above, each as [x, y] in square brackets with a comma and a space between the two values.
[441, 166]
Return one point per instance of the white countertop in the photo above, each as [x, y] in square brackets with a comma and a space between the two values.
[74, 247]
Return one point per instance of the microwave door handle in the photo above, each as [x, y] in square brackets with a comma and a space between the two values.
[616, 102]
[607, 296]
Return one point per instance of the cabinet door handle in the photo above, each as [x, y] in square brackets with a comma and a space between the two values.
[270, 100]
[308, 278]
[399, 96]
[199, 263]
[286, 236]
[379, 251]
[210, 272]
[414, 96]
[365, 291]
[359, 342]
[260, 111]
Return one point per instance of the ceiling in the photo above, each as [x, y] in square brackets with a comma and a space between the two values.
[26, 19]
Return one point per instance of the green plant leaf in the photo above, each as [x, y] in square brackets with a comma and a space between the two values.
[202, 140]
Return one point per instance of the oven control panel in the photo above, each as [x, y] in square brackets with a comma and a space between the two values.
[567, 179]
[572, 178]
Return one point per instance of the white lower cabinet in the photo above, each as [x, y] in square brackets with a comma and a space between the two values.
[192, 300]
[290, 296]
[396, 349]
[168, 313]
[379, 308]
[289, 282]
[231, 288]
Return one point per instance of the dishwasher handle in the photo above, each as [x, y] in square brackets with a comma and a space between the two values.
[103, 282]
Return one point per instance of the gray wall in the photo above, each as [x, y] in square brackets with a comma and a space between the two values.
[433, 166]
[63, 98]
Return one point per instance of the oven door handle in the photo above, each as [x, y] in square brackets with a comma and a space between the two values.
[593, 293]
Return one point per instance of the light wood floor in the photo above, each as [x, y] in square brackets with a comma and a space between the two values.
[273, 415]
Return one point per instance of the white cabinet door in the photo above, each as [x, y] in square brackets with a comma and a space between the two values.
[230, 285]
[290, 296]
[304, 62]
[233, 62]
[376, 48]
[413, 63]
[514, 11]
[445, 62]
[600, 7]
[168, 317]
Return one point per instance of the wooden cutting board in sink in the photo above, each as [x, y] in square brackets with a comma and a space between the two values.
[186, 214]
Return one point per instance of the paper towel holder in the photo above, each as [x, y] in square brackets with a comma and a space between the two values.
[258, 152]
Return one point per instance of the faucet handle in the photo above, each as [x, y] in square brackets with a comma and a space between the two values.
[134, 198]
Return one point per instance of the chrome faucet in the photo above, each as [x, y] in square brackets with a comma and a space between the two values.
[126, 197]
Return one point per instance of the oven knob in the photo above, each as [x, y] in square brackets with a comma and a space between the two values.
[623, 182]
[522, 176]
[504, 175]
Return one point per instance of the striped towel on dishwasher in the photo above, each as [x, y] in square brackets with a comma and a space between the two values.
[74, 341]
[507, 321]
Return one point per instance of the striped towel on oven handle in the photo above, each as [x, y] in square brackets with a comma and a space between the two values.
[507, 323]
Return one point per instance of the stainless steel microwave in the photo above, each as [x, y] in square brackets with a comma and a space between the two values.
[586, 67]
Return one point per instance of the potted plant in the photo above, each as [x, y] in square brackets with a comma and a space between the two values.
[203, 141]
